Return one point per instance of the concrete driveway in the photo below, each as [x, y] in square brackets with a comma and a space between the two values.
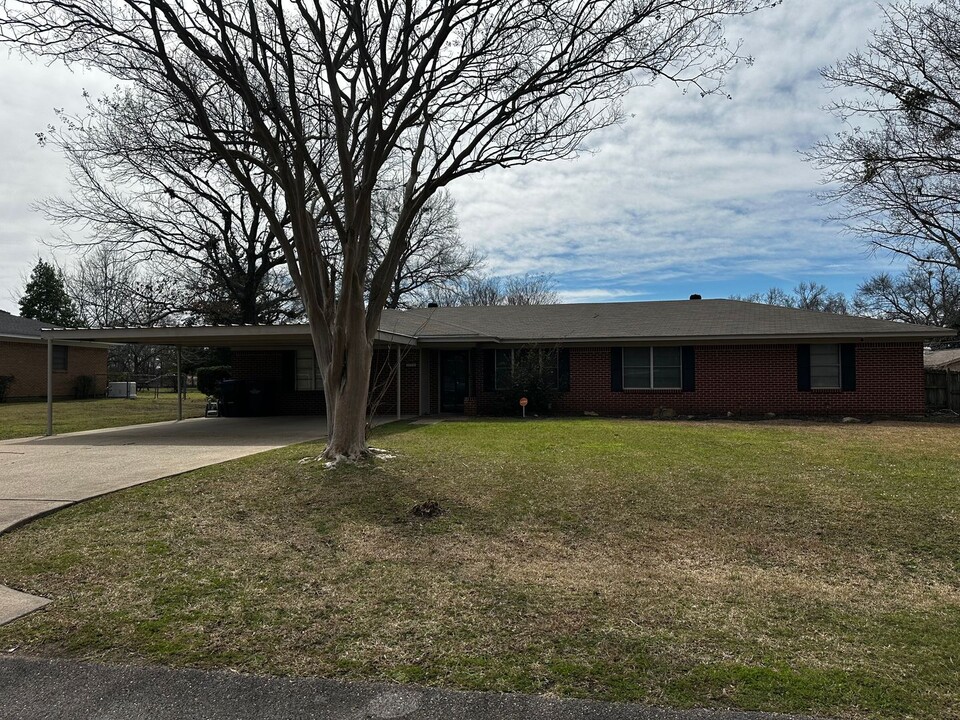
[38, 475]
[41, 474]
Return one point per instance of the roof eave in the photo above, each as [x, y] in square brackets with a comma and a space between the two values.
[754, 338]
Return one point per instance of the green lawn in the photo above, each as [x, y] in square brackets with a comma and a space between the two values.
[26, 419]
[767, 566]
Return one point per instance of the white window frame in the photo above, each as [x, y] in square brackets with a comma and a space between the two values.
[814, 365]
[651, 386]
[303, 382]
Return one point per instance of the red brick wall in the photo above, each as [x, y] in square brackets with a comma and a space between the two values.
[266, 366]
[742, 379]
[758, 379]
[748, 380]
[27, 362]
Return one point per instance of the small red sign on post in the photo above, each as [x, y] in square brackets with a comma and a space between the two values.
[523, 402]
[523, 406]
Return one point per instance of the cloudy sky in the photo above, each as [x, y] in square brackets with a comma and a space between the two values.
[688, 195]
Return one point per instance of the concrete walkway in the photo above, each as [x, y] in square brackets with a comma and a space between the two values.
[39, 475]
[38, 689]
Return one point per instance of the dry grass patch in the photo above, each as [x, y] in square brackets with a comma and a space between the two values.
[796, 568]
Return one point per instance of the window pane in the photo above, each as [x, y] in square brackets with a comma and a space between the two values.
[825, 366]
[636, 367]
[824, 354]
[666, 356]
[548, 368]
[60, 358]
[636, 377]
[825, 378]
[666, 377]
[306, 372]
[636, 357]
[504, 369]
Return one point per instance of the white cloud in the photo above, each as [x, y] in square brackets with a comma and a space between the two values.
[687, 189]
[688, 186]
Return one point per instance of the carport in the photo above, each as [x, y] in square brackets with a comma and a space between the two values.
[232, 336]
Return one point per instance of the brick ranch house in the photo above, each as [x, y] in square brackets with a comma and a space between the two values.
[694, 357]
[23, 355]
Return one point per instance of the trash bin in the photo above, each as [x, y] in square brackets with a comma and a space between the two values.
[233, 398]
[255, 399]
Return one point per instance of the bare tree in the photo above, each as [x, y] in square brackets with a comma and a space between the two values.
[146, 190]
[111, 289]
[333, 101]
[895, 170]
[435, 256]
[481, 290]
[922, 295]
[805, 296]
[475, 289]
[531, 289]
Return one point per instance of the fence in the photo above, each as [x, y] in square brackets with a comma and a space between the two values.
[943, 390]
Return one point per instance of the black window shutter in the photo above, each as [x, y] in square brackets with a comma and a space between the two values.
[489, 370]
[563, 370]
[803, 368]
[288, 370]
[616, 369]
[688, 358]
[848, 367]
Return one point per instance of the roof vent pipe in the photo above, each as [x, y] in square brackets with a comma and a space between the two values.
[695, 296]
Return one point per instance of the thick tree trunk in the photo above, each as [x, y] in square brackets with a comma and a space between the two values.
[347, 401]
[346, 385]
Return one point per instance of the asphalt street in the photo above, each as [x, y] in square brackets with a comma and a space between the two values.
[38, 689]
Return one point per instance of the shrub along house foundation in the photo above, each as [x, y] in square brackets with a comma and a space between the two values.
[696, 357]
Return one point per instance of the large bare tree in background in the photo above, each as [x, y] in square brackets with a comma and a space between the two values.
[334, 101]
[476, 288]
[925, 295]
[896, 170]
[435, 256]
[148, 191]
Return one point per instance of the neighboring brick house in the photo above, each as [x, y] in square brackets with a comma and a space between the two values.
[942, 359]
[23, 355]
[694, 357]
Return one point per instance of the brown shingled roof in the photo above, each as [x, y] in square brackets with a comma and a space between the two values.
[646, 321]
[594, 323]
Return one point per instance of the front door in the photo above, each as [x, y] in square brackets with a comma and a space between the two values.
[454, 368]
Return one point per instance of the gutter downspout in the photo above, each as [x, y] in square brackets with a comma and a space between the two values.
[49, 386]
[179, 387]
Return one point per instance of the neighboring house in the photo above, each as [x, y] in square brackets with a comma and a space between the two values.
[942, 360]
[23, 354]
[693, 357]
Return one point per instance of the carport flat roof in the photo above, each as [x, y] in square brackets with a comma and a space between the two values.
[206, 335]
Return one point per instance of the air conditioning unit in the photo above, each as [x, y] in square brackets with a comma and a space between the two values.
[121, 390]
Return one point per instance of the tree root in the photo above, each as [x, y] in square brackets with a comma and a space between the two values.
[330, 461]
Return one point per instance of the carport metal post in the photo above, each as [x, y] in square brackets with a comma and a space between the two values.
[399, 373]
[49, 386]
[179, 386]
